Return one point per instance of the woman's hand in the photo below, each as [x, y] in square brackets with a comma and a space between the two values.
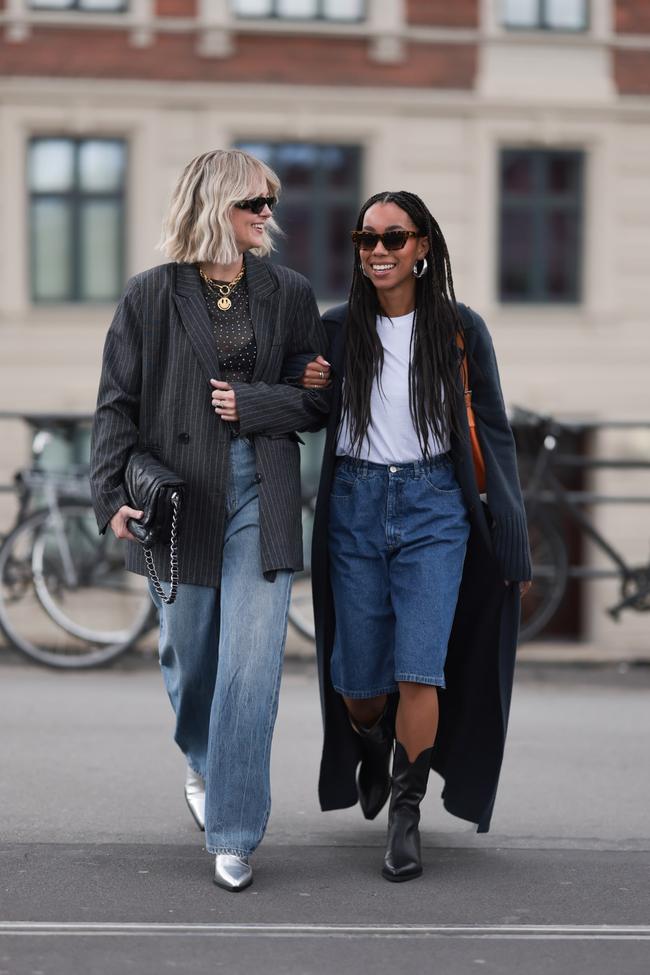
[119, 520]
[316, 374]
[224, 401]
[524, 587]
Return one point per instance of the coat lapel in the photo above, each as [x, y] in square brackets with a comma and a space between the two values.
[193, 310]
[263, 296]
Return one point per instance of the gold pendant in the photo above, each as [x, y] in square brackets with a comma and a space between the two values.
[224, 304]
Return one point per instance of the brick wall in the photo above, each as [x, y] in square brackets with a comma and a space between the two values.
[176, 8]
[443, 13]
[632, 16]
[632, 72]
[293, 60]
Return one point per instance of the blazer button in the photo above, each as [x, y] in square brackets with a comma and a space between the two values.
[183, 438]
[258, 478]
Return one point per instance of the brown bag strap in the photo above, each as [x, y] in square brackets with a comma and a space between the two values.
[465, 374]
[477, 453]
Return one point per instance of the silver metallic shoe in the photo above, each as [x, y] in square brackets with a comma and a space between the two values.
[195, 796]
[232, 872]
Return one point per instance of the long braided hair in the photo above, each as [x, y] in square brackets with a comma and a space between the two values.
[433, 372]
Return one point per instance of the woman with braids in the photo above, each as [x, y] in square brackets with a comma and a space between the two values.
[416, 581]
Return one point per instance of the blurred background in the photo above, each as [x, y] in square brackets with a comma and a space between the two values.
[524, 124]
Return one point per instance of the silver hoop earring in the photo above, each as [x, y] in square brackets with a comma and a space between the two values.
[423, 269]
[362, 270]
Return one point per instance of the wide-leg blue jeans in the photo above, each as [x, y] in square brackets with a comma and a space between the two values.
[221, 654]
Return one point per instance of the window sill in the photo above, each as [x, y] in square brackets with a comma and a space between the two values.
[18, 27]
[532, 38]
[542, 313]
[70, 312]
[215, 35]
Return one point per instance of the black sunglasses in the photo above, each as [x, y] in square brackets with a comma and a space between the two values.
[392, 240]
[257, 204]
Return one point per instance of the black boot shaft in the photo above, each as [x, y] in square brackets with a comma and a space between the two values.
[409, 785]
[373, 781]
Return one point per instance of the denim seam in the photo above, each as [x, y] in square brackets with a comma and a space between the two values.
[273, 709]
[361, 695]
[231, 851]
[420, 679]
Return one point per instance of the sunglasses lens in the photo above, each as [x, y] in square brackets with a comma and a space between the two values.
[264, 201]
[394, 240]
[364, 240]
[257, 204]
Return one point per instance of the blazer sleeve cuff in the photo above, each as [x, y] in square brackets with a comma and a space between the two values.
[511, 547]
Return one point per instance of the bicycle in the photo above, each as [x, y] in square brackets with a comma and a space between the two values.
[546, 497]
[65, 598]
[53, 560]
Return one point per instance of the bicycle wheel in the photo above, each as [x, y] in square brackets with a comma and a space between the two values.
[301, 609]
[65, 598]
[550, 574]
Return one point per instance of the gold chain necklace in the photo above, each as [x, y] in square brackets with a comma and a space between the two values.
[223, 290]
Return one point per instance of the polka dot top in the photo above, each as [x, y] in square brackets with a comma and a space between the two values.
[233, 331]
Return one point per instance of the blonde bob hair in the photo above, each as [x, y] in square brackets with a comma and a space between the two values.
[197, 226]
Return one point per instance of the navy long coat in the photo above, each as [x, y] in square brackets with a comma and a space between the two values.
[480, 662]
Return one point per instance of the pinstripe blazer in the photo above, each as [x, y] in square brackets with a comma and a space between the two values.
[154, 392]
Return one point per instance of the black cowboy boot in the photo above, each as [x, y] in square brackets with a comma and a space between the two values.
[409, 784]
[373, 780]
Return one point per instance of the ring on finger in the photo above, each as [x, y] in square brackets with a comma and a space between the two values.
[321, 374]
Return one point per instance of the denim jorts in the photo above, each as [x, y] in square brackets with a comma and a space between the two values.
[397, 541]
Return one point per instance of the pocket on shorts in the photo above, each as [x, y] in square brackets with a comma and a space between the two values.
[442, 479]
[342, 484]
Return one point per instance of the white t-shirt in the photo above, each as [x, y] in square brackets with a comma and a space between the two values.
[391, 437]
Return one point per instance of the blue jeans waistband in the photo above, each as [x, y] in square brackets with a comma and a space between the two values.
[365, 468]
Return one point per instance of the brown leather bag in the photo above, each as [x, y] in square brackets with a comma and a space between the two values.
[477, 453]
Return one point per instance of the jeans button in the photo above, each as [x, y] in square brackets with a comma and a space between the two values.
[257, 478]
[392, 469]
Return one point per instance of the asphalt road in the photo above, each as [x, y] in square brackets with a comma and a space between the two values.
[103, 872]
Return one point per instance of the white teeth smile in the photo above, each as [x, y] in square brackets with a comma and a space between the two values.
[382, 267]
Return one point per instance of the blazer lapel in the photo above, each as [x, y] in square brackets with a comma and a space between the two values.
[263, 297]
[193, 310]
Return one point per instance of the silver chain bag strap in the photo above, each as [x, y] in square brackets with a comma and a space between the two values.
[156, 491]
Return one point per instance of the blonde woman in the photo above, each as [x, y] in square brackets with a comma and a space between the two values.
[192, 371]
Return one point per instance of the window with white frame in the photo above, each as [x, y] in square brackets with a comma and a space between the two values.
[317, 209]
[76, 217]
[341, 10]
[559, 15]
[98, 6]
[540, 233]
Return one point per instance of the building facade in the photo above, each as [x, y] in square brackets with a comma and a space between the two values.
[523, 123]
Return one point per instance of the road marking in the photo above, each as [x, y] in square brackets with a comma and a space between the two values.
[545, 932]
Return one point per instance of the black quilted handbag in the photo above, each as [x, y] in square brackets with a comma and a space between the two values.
[156, 491]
